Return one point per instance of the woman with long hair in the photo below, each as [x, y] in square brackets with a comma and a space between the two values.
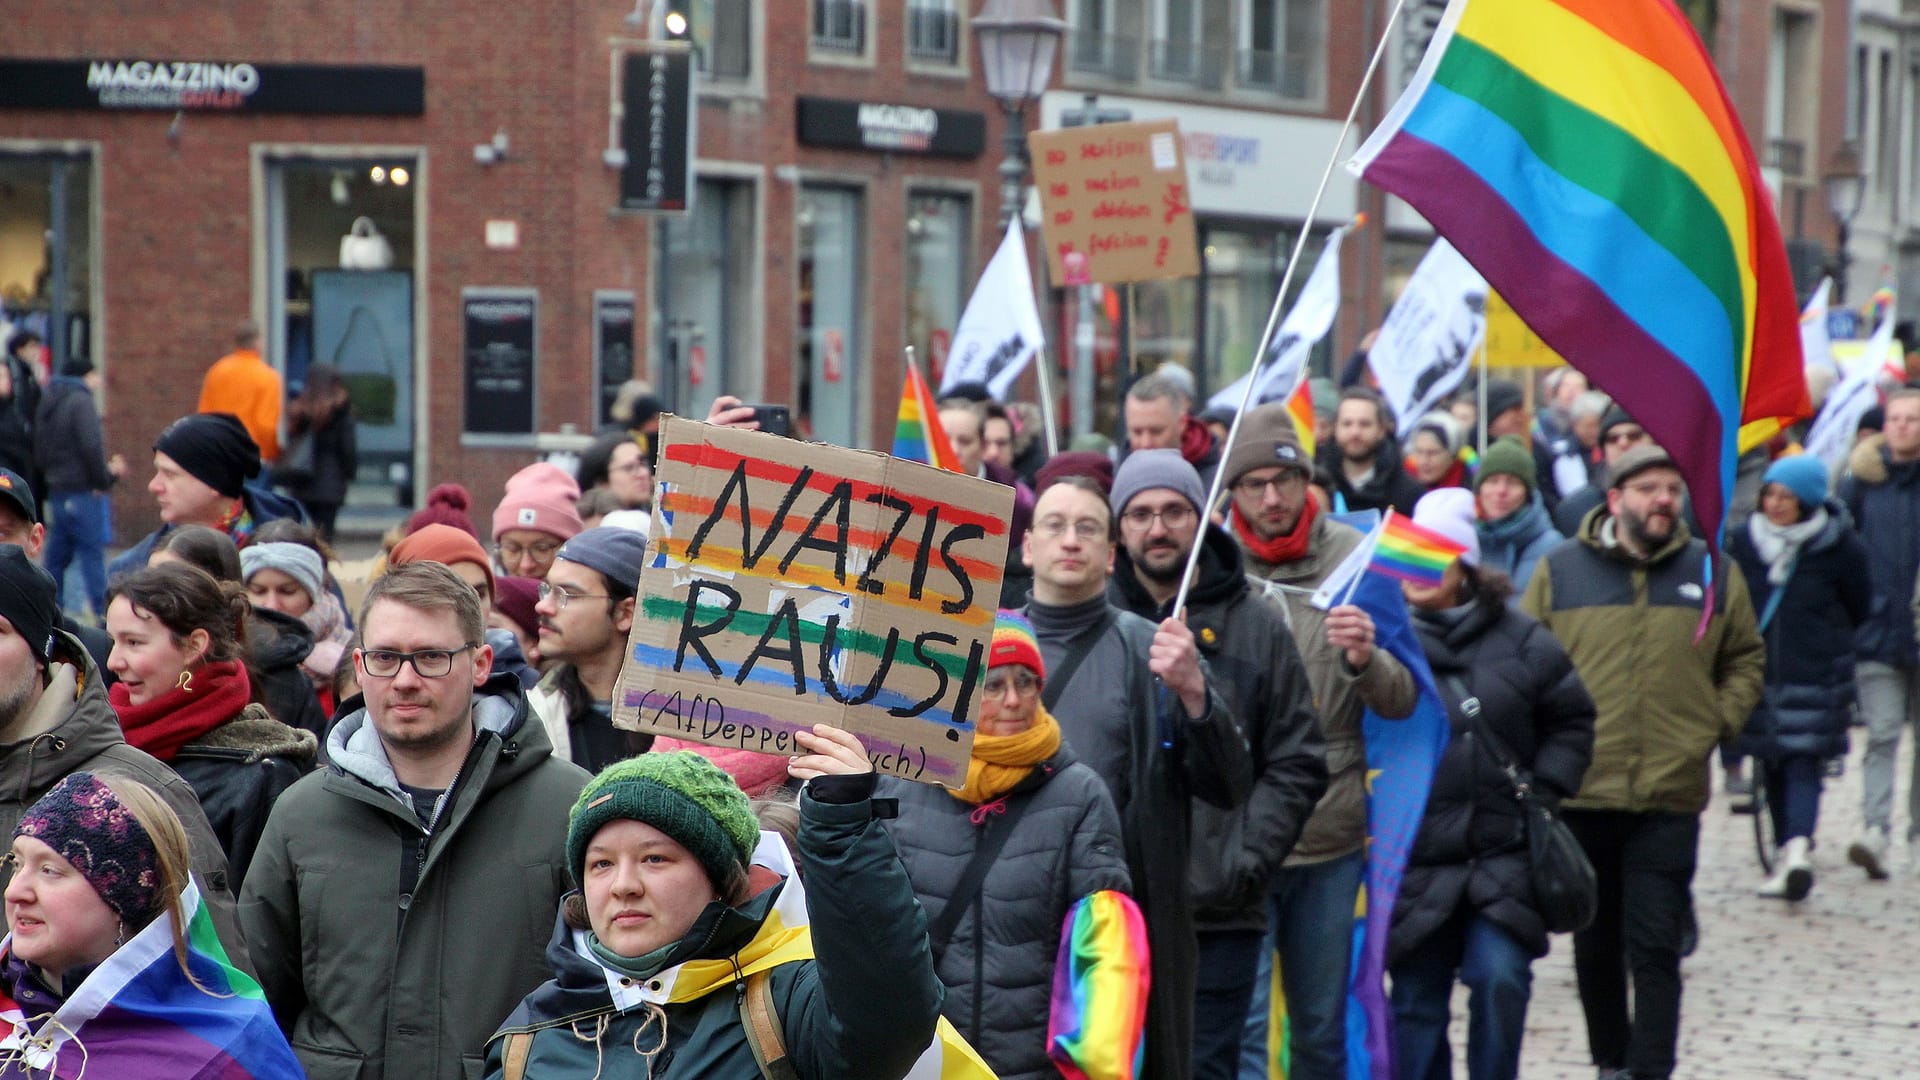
[323, 413]
[110, 966]
[1466, 909]
[185, 696]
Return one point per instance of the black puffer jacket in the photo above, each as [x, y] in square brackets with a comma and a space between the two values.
[1884, 498]
[1805, 705]
[998, 966]
[1471, 848]
[276, 644]
[1257, 667]
[68, 445]
[237, 770]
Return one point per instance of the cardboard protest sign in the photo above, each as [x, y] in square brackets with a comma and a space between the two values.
[789, 584]
[1114, 201]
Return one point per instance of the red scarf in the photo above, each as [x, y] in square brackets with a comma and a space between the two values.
[1285, 548]
[166, 723]
[1195, 442]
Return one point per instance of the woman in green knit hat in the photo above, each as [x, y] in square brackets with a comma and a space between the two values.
[678, 932]
[1514, 526]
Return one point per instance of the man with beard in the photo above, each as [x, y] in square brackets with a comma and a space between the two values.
[1243, 635]
[1364, 459]
[1291, 543]
[586, 611]
[1625, 597]
[1135, 702]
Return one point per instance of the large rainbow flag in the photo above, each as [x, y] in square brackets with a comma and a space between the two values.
[1583, 156]
[917, 434]
[137, 1015]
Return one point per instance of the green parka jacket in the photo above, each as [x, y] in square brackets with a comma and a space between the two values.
[865, 1008]
[389, 950]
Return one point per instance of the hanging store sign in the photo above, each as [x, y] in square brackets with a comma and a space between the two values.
[656, 127]
[899, 129]
[213, 86]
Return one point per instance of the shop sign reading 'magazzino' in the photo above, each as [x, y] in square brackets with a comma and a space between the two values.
[212, 86]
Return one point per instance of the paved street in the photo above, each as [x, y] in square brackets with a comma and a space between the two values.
[1830, 988]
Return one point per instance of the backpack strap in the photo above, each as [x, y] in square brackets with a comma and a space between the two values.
[764, 1036]
[514, 1061]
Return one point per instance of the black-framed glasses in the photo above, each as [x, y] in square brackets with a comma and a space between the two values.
[565, 595]
[1283, 482]
[1141, 519]
[427, 663]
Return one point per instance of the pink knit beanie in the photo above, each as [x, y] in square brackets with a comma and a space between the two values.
[540, 497]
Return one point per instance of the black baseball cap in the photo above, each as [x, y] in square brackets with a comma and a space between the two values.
[18, 494]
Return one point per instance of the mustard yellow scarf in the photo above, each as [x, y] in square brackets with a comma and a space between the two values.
[1002, 761]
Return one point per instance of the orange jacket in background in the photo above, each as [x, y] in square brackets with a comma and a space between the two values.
[243, 384]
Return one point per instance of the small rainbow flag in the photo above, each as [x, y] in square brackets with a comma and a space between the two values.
[1877, 307]
[1411, 552]
[917, 434]
[1100, 982]
[1300, 408]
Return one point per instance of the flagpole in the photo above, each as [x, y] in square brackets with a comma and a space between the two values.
[1480, 410]
[1279, 300]
[1040, 360]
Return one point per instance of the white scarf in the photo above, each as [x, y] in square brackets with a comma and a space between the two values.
[1779, 545]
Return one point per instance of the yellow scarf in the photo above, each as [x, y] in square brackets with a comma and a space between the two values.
[1001, 761]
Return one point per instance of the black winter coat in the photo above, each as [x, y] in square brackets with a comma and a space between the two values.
[68, 445]
[998, 966]
[1471, 849]
[1390, 486]
[1256, 666]
[238, 769]
[1884, 500]
[276, 644]
[336, 457]
[1803, 709]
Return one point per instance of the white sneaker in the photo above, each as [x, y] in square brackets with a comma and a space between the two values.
[1799, 868]
[1775, 887]
[1869, 852]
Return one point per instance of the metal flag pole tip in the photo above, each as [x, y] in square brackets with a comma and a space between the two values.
[1260, 356]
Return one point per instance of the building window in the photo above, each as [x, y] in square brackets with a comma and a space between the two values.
[46, 257]
[1792, 92]
[723, 38]
[840, 26]
[709, 290]
[828, 369]
[1241, 269]
[1095, 47]
[1280, 47]
[933, 31]
[939, 241]
[1175, 56]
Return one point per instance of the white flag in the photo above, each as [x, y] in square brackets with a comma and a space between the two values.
[1302, 329]
[1430, 336]
[1001, 330]
[1833, 431]
[1337, 587]
[1816, 349]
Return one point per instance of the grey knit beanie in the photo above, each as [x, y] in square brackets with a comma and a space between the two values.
[1145, 470]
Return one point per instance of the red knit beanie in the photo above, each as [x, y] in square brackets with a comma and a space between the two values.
[447, 504]
[442, 544]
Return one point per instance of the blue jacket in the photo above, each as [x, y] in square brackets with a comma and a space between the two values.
[1809, 685]
[264, 505]
[1884, 500]
[1515, 544]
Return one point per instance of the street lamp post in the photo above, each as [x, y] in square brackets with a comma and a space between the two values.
[1846, 187]
[1018, 40]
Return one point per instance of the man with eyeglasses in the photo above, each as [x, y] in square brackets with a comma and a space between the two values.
[1133, 700]
[537, 515]
[1289, 542]
[1625, 597]
[1619, 433]
[400, 900]
[965, 423]
[1243, 635]
[586, 611]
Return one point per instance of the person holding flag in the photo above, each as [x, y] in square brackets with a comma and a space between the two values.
[1466, 908]
[1666, 641]
[1290, 541]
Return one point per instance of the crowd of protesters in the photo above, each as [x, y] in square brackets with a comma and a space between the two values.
[405, 838]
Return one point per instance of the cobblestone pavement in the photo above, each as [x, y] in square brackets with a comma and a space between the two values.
[1826, 988]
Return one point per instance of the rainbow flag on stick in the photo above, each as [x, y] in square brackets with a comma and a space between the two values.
[917, 434]
[1396, 548]
[1583, 156]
